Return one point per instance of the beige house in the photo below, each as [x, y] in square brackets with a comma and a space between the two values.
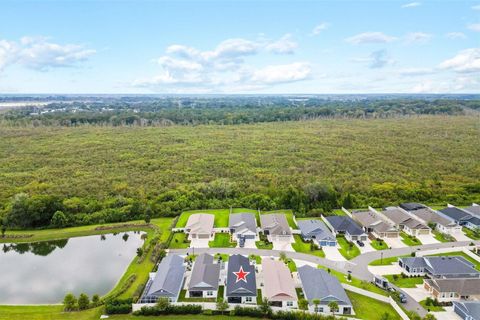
[373, 223]
[278, 284]
[200, 226]
[275, 226]
[453, 289]
[406, 222]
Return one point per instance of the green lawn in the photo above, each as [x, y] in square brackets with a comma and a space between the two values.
[386, 261]
[288, 214]
[223, 256]
[291, 265]
[221, 290]
[379, 244]
[409, 240]
[423, 303]
[182, 298]
[222, 240]
[179, 241]
[263, 245]
[305, 247]
[371, 309]
[356, 282]
[182, 317]
[221, 217]
[469, 233]
[46, 313]
[404, 282]
[338, 212]
[258, 259]
[460, 253]
[347, 249]
[259, 296]
[442, 237]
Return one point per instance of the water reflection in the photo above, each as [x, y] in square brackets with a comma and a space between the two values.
[43, 272]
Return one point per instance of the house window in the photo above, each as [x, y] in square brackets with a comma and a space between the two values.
[318, 309]
[289, 303]
[452, 294]
[209, 293]
[248, 299]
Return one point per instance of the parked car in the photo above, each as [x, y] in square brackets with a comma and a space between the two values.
[360, 243]
[403, 298]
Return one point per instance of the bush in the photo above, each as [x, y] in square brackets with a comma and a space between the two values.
[118, 306]
[171, 309]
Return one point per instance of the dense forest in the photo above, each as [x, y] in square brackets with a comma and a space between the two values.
[145, 111]
[60, 176]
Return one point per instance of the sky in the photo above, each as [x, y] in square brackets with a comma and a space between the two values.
[249, 47]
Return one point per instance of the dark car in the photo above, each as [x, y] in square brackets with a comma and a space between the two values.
[403, 298]
[360, 243]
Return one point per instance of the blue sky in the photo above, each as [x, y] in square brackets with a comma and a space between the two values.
[239, 47]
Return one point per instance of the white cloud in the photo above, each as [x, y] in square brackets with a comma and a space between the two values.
[474, 27]
[320, 27]
[370, 37]
[426, 86]
[282, 73]
[477, 7]
[376, 60]
[285, 45]
[411, 5]
[455, 35]
[40, 54]
[415, 71]
[465, 61]
[417, 37]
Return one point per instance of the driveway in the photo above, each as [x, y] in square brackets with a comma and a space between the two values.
[395, 242]
[367, 247]
[282, 245]
[332, 253]
[448, 314]
[460, 236]
[383, 270]
[199, 243]
[427, 239]
[418, 293]
[249, 243]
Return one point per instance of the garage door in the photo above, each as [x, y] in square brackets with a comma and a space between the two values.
[423, 231]
[249, 237]
[203, 236]
[392, 235]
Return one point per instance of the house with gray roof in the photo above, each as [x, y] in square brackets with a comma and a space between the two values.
[473, 209]
[461, 217]
[204, 278]
[373, 222]
[442, 224]
[405, 221]
[317, 231]
[439, 267]
[243, 226]
[167, 282]
[318, 284]
[241, 286]
[275, 226]
[467, 310]
[446, 290]
[344, 225]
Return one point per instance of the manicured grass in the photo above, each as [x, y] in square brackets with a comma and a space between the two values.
[263, 245]
[423, 303]
[182, 298]
[179, 241]
[305, 247]
[259, 296]
[442, 237]
[371, 309]
[221, 290]
[223, 256]
[409, 240]
[53, 312]
[221, 217]
[258, 259]
[182, 317]
[339, 212]
[347, 249]
[222, 240]
[356, 282]
[300, 294]
[469, 233]
[291, 265]
[379, 244]
[460, 253]
[404, 282]
[386, 261]
[288, 214]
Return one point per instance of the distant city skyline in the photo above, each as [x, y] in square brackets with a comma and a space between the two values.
[229, 47]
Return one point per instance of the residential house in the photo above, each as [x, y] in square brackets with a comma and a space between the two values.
[204, 278]
[453, 289]
[344, 225]
[278, 286]
[372, 222]
[473, 209]
[318, 284]
[439, 267]
[200, 226]
[316, 230]
[442, 224]
[406, 222]
[411, 206]
[167, 282]
[461, 217]
[275, 226]
[243, 226]
[467, 310]
[241, 284]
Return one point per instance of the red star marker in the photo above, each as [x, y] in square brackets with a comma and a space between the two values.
[241, 275]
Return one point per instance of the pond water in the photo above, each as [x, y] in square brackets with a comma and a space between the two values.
[43, 272]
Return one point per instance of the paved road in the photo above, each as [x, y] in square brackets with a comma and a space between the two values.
[358, 266]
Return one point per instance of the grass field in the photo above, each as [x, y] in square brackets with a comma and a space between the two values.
[409, 240]
[371, 309]
[179, 241]
[304, 247]
[356, 282]
[469, 233]
[288, 214]
[423, 303]
[222, 240]
[442, 237]
[221, 217]
[379, 244]
[348, 250]
[385, 261]
[404, 282]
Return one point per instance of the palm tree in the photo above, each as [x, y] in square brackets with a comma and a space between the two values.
[333, 305]
[316, 302]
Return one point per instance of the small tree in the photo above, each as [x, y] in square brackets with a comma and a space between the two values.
[265, 307]
[147, 218]
[59, 219]
[316, 303]
[429, 316]
[222, 305]
[140, 252]
[349, 277]
[333, 305]
[95, 299]
[303, 304]
[83, 301]
[283, 256]
[69, 302]
[163, 303]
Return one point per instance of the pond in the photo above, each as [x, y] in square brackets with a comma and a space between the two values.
[43, 272]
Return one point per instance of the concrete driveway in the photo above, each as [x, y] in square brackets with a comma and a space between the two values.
[199, 243]
[418, 293]
[249, 243]
[383, 270]
[282, 245]
[395, 242]
[448, 314]
[332, 253]
[427, 239]
[367, 247]
[460, 236]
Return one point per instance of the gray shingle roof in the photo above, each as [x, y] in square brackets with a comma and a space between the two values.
[370, 219]
[315, 228]
[410, 206]
[205, 274]
[399, 217]
[345, 224]
[431, 216]
[276, 223]
[471, 308]
[475, 210]
[462, 286]
[456, 213]
[318, 284]
[240, 288]
[169, 277]
[442, 266]
[242, 222]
